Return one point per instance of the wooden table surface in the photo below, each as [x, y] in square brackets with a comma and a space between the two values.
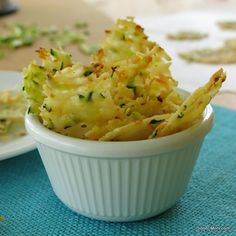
[99, 14]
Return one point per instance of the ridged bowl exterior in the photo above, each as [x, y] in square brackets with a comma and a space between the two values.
[120, 189]
[120, 181]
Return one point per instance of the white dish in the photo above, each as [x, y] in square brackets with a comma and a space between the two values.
[120, 181]
[11, 79]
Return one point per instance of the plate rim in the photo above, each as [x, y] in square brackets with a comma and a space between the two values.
[23, 148]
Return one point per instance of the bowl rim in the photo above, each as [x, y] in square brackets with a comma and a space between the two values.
[120, 149]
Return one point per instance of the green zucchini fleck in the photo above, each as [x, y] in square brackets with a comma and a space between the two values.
[102, 95]
[154, 121]
[113, 68]
[49, 109]
[67, 126]
[29, 110]
[181, 115]
[88, 72]
[89, 97]
[35, 82]
[52, 52]
[81, 96]
[133, 88]
[62, 66]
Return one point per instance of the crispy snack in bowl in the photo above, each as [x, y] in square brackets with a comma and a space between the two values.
[192, 108]
[127, 83]
[79, 115]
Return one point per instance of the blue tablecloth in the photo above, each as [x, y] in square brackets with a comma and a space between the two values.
[30, 207]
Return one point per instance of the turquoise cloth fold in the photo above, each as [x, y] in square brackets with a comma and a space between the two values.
[30, 207]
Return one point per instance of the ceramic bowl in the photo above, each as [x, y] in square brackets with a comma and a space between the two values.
[120, 181]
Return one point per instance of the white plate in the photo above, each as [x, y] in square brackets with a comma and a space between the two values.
[10, 79]
[192, 75]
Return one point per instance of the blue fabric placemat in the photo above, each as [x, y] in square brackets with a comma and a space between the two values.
[30, 207]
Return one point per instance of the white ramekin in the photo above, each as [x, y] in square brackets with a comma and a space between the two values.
[119, 181]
